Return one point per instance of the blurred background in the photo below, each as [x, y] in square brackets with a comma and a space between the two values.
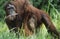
[52, 7]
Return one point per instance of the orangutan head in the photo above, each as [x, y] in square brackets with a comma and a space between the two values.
[11, 13]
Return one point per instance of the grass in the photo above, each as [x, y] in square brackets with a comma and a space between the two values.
[43, 34]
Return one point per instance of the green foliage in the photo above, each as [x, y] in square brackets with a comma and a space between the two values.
[5, 34]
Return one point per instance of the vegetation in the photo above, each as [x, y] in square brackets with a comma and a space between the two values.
[52, 7]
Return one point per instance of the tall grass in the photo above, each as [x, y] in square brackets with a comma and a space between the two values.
[43, 34]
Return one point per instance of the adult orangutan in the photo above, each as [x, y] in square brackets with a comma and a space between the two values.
[21, 11]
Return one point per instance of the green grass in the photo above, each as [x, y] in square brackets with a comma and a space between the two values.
[43, 34]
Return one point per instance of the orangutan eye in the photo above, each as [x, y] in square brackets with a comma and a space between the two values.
[10, 6]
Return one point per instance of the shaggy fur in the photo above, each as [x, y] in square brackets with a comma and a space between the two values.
[30, 16]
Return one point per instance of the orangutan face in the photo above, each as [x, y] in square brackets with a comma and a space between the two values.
[11, 12]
